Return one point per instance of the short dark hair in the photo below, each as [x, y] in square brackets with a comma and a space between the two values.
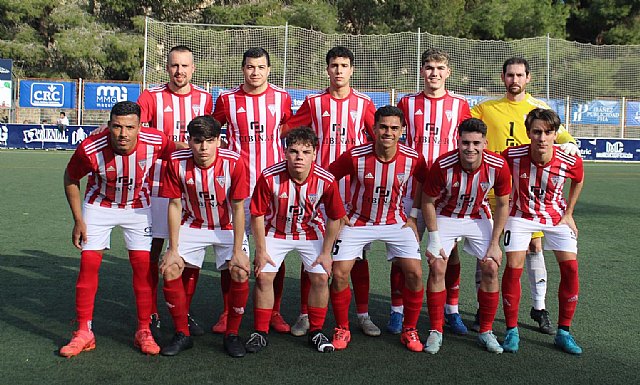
[302, 135]
[515, 60]
[388, 111]
[179, 48]
[548, 116]
[472, 125]
[255, 52]
[62, 113]
[125, 108]
[204, 127]
[340, 51]
[434, 54]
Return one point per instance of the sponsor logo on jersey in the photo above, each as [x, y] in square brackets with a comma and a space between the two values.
[190, 181]
[368, 176]
[240, 110]
[419, 112]
[524, 175]
[325, 114]
[284, 195]
[220, 180]
[168, 109]
[272, 109]
[111, 169]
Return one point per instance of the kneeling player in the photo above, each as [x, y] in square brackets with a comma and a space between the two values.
[539, 172]
[379, 173]
[213, 184]
[454, 205]
[118, 161]
[285, 217]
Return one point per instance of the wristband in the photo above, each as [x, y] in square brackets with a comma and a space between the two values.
[434, 246]
[414, 213]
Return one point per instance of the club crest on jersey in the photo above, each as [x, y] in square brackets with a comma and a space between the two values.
[419, 112]
[556, 179]
[326, 114]
[272, 109]
[284, 195]
[354, 115]
[449, 114]
[484, 186]
[196, 110]
[400, 178]
[190, 181]
[220, 180]
[313, 198]
[142, 164]
[168, 109]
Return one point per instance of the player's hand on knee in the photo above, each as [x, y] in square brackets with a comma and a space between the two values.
[239, 265]
[171, 259]
[79, 234]
[494, 253]
[434, 248]
[261, 260]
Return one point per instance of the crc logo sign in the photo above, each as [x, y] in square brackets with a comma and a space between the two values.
[47, 94]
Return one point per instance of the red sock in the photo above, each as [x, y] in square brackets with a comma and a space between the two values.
[317, 316]
[225, 285]
[360, 281]
[568, 292]
[452, 283]
[153, 267]
[86, 287]
[488, 306]
[140, 261]
[412, 305]
[278, 287]
[305, 289]
[511, 292]
[176, 300]
[238, 295]
[261, 318]
[435, 304]
[340, 300]
[396, 278]
[190, 281]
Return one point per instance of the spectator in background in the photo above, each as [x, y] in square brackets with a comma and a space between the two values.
[62, 121]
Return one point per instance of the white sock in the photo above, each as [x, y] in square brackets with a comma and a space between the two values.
[537, 272]
[398, 309]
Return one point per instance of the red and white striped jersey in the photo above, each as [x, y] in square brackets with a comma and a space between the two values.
[171, 113]
[118, 181]
[432, 124]
[463, 194]
[290, 209]
[253, 125]
[340, 125]
[206, 193]
[377, 187]
[537, 190]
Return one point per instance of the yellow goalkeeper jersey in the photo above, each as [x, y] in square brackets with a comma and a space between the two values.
[505, 122]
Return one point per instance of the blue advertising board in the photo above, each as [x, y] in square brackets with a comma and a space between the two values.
[609, 149]
[47, 94]
[42, 136]
[632, 114]
[605, 112]
[102, 96]
[5, 69]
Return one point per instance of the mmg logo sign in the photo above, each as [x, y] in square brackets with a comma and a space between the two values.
[107, 96]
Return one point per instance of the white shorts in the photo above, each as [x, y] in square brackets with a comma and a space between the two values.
[308, 250]
[193, 243]
[135, 223]
[159, 217]
[476, 234]
[517, 235]
[367, 247]
[408, 205]
[400, 242]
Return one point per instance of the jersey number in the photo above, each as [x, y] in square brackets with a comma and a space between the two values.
[510, 142]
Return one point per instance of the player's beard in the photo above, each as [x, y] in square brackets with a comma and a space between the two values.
[515, 89]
